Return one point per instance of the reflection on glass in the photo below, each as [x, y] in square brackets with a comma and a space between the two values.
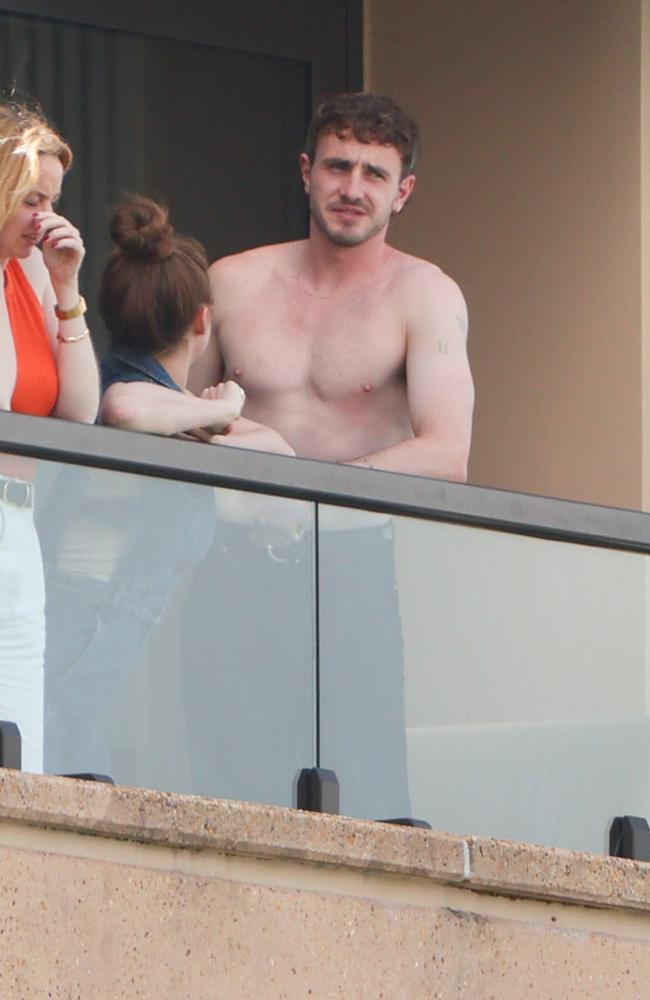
[362, 724]
[179, 648]
[248, 631]
[22, 613]
[526, 672]
[525, 684]
[485, 682]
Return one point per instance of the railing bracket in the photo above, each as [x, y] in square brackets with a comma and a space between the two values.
[317, 790]
[629, 837]
[10, 745]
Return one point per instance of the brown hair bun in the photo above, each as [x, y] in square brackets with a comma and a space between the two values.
[154, 282]
[141, 229]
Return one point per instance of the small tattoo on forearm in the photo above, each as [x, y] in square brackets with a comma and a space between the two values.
[442, 347]
[462, 322]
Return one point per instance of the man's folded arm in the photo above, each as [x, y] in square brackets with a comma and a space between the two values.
[440, 392]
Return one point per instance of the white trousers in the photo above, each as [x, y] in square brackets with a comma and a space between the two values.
[22, 631]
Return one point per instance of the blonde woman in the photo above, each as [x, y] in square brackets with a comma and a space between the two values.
[47, 368]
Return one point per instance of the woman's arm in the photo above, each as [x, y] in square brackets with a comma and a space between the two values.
[54, 276]
[154, 409]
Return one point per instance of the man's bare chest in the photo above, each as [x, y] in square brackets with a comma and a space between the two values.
[328, 348]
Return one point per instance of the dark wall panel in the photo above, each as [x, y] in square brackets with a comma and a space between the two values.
[201, 105]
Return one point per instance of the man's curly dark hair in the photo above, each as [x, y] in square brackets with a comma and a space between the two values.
[370, 118]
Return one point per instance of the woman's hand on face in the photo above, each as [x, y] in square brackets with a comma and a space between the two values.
[62, 247]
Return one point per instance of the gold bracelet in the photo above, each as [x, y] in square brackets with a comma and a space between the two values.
[77, 310]
[73, 340]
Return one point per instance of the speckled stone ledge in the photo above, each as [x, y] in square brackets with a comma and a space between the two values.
[268, 832]
[226, 826]
[513, 869]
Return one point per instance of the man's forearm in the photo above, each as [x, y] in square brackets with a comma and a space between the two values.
[419, 456]
[247, 433]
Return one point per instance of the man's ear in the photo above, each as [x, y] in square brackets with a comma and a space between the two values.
[305, 171]
[404, 192]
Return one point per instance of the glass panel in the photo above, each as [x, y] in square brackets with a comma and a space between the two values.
[519, 677]
[180, 640]
[362, 734]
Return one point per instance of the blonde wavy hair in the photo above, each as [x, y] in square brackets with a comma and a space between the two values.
[24, 136]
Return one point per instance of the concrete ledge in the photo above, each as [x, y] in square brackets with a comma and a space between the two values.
[525, 870]
[234, 828]
[119, 892]
[268, 832]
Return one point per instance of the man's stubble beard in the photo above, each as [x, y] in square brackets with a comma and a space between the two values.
[341, 238]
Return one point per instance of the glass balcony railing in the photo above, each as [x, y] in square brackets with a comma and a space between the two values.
[503, 679]
[180, 633]
[218, 620]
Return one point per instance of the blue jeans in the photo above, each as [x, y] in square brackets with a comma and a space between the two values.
[97, 629]
[244, 695]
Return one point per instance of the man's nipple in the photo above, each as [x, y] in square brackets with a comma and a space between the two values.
[366, 387]
[237, 372]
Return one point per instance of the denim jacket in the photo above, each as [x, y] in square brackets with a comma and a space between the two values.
[121, 365]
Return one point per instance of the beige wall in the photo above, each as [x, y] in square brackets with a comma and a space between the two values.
[529, 195]
[645, 239]
[119, 892]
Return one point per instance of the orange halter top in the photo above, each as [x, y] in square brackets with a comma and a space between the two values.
[37, 380]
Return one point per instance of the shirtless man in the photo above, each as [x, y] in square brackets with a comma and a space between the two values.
[354, 351]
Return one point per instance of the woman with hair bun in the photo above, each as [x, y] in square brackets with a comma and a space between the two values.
[122, 543]
[47, 368]
[155, 300]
